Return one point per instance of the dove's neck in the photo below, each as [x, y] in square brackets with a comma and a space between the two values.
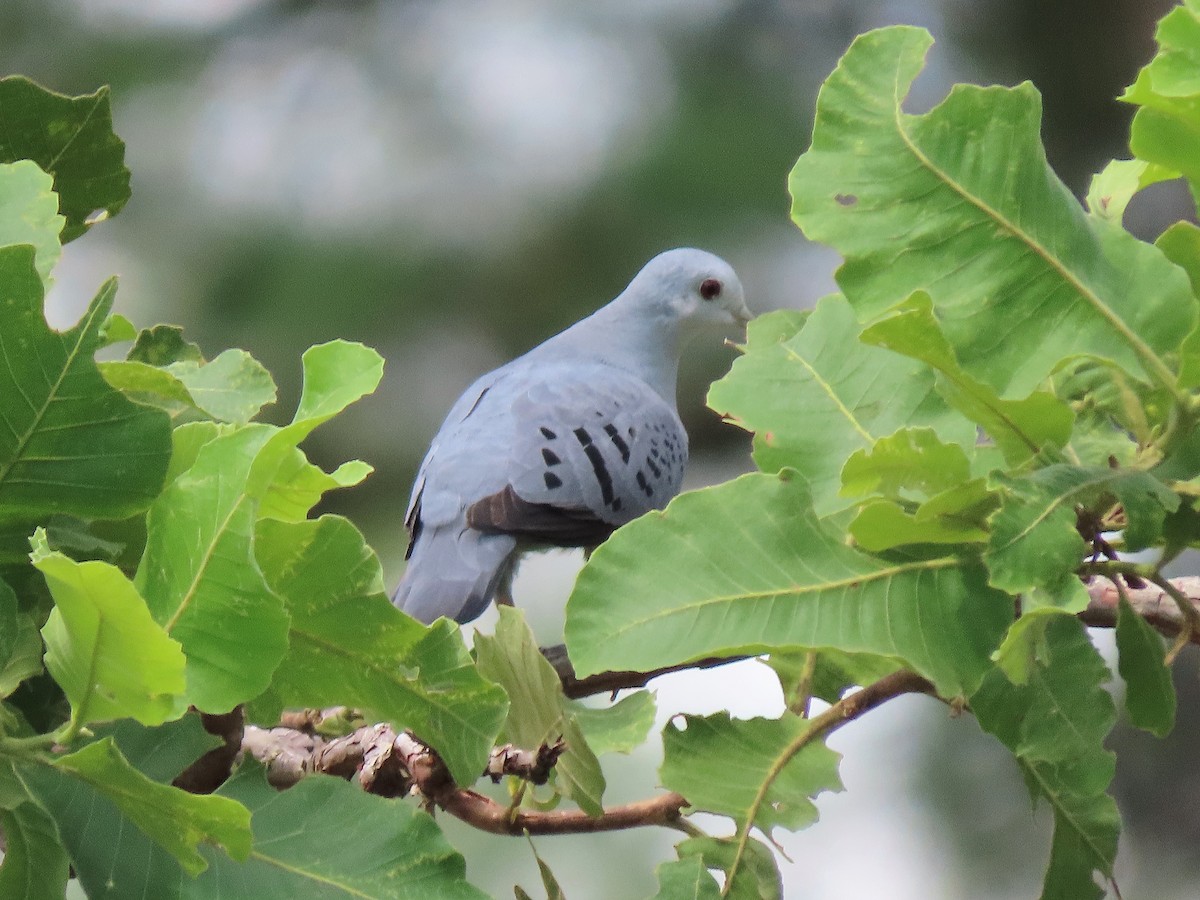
[632, 339]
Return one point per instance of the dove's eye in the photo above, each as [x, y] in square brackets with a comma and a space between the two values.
[710, 289]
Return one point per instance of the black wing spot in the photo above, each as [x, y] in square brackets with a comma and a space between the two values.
[550, 457]
[618, 441]
[653, 468]
[548, 434]
[599, 468]
[552, 480]
[644, 485]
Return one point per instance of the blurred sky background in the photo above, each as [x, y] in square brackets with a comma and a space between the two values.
[452, 182]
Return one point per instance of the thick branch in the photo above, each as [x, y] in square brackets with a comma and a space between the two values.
[1151, 602]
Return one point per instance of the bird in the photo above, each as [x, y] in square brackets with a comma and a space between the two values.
[563, 444]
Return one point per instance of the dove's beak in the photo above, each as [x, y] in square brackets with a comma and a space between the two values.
[743, 316]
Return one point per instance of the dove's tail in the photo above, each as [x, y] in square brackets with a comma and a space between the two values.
[454, 571]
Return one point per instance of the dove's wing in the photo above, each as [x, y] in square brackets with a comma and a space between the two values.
[556, 453]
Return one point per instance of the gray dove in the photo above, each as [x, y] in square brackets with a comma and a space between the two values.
[562, 445]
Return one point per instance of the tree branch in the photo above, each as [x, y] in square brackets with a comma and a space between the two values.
[1152, 602]
[611, 682]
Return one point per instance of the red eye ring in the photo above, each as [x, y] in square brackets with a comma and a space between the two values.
[710, 288]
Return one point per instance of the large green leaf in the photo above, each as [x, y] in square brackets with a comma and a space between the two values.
[200, 578]
[816, 397]
[1055, 725]
[325, 838]
[102, 646]
[69, 442]
[174, 819]
[111, 855]
[537, 710]
[35, 865]
[29, 213]
[349, 645]
[747, 567]
[72, 139]
[960, 202]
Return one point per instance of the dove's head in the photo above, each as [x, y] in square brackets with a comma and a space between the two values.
[694, 288]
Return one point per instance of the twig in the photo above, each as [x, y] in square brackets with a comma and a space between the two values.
[611, 682]
[211, 770]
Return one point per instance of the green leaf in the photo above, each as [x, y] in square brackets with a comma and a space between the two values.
[29, 213]
[685, 879]
[116, 330]
[1035, 542]
[299, 485]
[911, 463]
[231, 388]
[758, 875]
[1181, 244]
[9, 623]
[1111, 190]
[1055, 725]
[1114, 415]
[619, 728]
[349, 646]
[186, 441]
[70, 442]
[149, 384]
[25, 657]
[162, 345]
[833, 673]
[1025, 647]
[175, 820]
[960, 202]
[327, 838]
[35, 864]
[336, 374]
[102, 646]
[723, 765]
[550, 884]
[72, 139]
[747, 568]
[200, 578]
[538, 712]
[815, 398]
[161, 753]
[883, 525]
[1149, 692]
[1020, 428]
[1166, 130]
